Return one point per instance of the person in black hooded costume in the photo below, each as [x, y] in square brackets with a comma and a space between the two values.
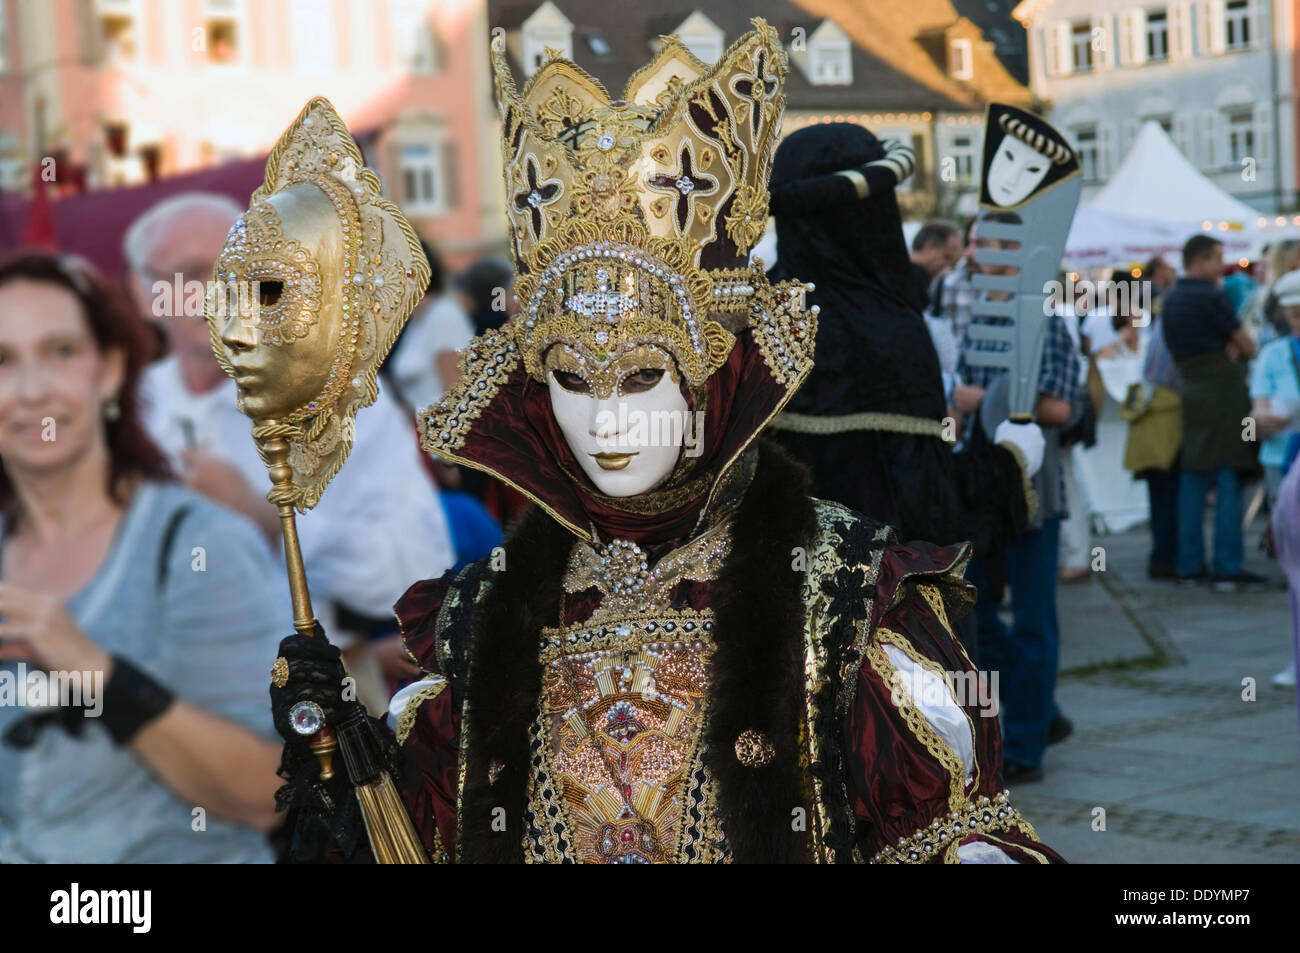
[870, 419]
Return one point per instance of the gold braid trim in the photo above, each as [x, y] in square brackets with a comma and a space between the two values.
[888, 637]
[945, 834]
[845, 423]
[916, 722]
[406, 721]
[1031, 495]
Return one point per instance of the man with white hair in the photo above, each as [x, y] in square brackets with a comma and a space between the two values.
[379, 522]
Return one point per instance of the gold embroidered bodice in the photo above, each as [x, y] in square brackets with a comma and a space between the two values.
[618, 776]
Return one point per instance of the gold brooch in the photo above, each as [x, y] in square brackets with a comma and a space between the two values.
[753, 750]
[280, 672]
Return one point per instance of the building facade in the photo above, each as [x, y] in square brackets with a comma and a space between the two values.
[119, 92]
[1218, 75]
[921, 72]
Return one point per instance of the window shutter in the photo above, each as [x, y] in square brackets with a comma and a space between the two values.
[1051, 51]
[1215, 11]
[391, 173]
[88, 45]
[450, 176]
[1103, 58]
[1263, 134]
[1180, 31]
[1135, 52]
[1105, 150]
[1209, 141]
[1180, 135]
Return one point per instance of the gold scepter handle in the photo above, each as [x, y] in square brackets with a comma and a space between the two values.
[275, 453]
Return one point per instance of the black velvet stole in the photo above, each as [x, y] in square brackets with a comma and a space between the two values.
[755, 679]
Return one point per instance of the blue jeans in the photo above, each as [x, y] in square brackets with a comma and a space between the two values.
[1228, 552]
[1162, 495]
[1026, 655]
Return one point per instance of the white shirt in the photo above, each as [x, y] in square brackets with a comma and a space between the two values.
[438, 324]
[379, 525]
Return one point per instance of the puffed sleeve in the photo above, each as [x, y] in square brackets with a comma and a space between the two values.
[425, 718]
[923, 747]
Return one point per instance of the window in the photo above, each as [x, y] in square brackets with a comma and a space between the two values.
[1236, 25]
[313, 35]
[1157, 30]
[4, 46]
[830, 65]
[422, 179]
[1081, 46]
[1241, 134]
[1085, 138]
[960, 65]
[963, 153]
[412, 35]
[1166, 122]
[546, 27]
[117, 22]
[829, 61]
[221, 29]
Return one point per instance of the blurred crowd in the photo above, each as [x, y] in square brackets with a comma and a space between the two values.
[1186, 377]
[137, 543]
[136, 540]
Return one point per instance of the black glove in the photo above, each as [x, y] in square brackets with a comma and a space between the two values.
[324, 816]
[316, 674]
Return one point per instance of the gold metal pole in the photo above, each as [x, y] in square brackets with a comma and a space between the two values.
[275, 454]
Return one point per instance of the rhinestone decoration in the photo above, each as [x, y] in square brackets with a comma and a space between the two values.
[624, 570]
[307, 718]
[981, 817]
[605, 143]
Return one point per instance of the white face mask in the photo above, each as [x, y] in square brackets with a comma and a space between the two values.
[625, 444]
[1015, 171]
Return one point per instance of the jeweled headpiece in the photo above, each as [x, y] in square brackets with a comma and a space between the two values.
[631, 220]
[346, 269]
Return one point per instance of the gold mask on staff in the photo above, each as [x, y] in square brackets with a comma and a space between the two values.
[311, 289]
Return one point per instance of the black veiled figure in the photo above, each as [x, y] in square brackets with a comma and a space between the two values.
[874, 354]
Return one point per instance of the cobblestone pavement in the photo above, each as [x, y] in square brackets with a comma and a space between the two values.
[1185, 768]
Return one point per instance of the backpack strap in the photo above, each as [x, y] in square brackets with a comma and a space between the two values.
[168, 539]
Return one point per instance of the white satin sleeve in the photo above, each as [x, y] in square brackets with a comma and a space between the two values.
[934, 698]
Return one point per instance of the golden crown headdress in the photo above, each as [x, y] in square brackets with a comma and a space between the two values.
[377, 282]
[632, 219]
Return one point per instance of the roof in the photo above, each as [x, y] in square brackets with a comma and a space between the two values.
[892, 67]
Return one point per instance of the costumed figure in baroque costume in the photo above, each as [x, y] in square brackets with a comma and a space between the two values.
[679, 655]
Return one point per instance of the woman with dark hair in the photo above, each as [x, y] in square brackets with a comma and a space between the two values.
[136, 619]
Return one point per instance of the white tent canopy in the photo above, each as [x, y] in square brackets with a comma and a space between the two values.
[1153, 203]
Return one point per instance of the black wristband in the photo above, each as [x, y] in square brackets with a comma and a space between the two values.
[132, 699]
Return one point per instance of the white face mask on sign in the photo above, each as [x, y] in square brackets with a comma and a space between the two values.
[1015, 171]
[627, 443]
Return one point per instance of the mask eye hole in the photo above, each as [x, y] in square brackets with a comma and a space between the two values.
[642, 381]
[571, 382]
[269, 292]
[1009, 155]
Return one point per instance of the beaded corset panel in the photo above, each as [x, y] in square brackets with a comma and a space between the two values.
[617, 769]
